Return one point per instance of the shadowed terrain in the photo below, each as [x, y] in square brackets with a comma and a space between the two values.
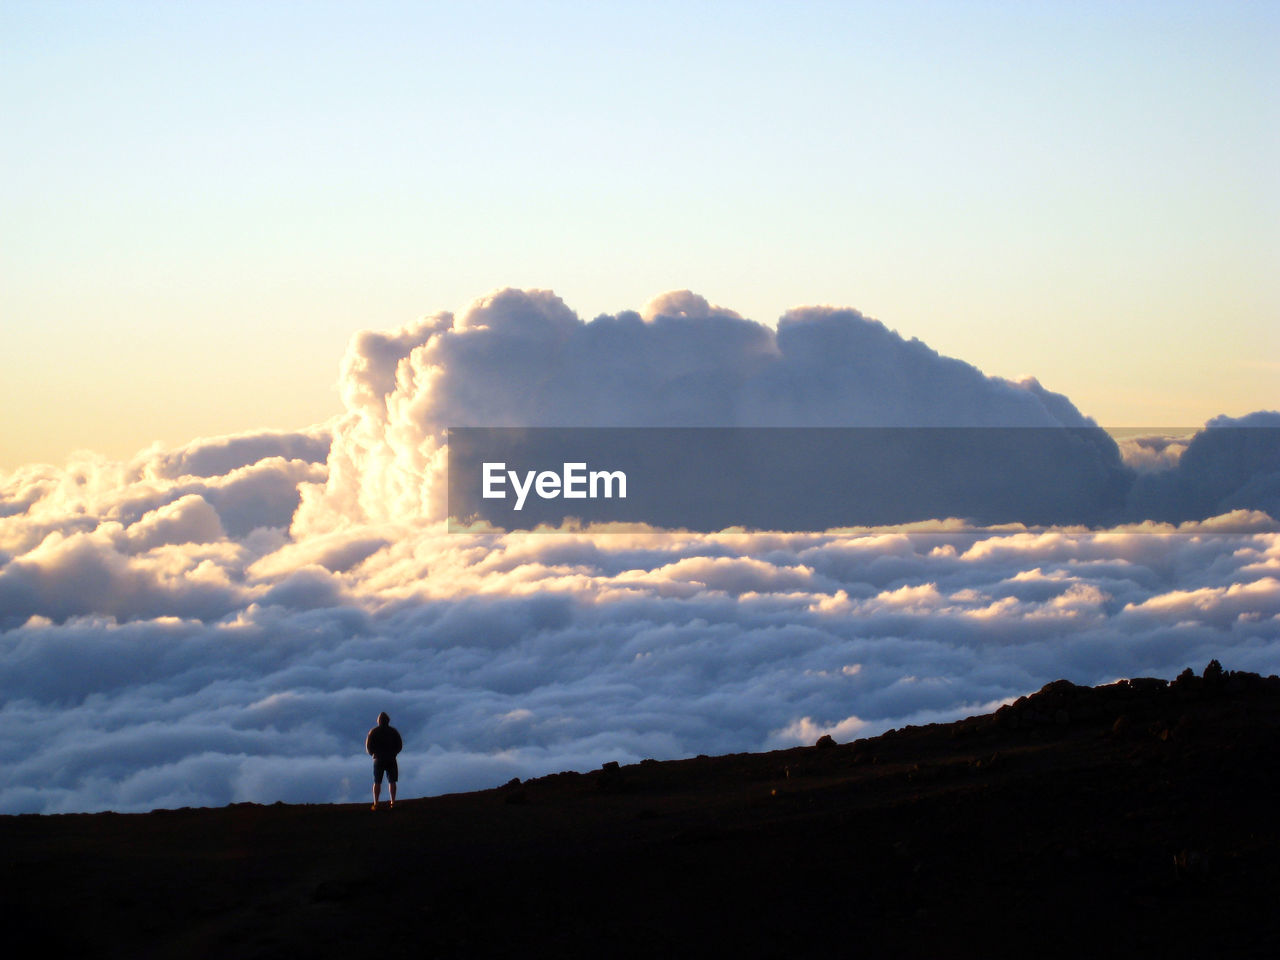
[1136, 819]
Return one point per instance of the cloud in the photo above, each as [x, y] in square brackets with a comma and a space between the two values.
[86, 574]
[523, 358]
[223, 622]
[217, 456]
[806, 731]
[189, 519]
[1233, 464]
[39, 500]
[1152, 453]
[649, 646]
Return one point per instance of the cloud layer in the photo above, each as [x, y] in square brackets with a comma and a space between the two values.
[223, 622]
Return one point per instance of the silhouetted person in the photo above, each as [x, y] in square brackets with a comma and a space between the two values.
[383, 743]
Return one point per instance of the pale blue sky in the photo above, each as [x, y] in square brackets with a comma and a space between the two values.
[203, 201]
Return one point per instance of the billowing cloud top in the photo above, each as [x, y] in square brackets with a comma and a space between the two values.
[523, 358]
[223, 622]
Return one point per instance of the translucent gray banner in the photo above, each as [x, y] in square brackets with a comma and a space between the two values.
[812, 479]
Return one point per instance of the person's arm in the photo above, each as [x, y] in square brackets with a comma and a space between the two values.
[399, 742]
[367, 737]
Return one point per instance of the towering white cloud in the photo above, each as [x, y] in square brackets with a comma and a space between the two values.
[523, 358]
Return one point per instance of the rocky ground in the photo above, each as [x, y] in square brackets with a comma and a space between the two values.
[1137, 819]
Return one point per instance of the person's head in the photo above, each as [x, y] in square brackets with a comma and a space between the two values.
[383, 719]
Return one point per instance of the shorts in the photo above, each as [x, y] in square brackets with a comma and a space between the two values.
[385, 766]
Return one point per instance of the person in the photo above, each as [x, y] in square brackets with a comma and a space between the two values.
[383, 743]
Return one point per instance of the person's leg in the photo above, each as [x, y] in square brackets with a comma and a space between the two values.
[393, 793]
[377, 790]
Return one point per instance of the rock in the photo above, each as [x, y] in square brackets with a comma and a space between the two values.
[1058, 689]
[1147, 685]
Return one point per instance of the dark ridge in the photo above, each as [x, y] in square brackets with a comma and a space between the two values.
[1135, 819]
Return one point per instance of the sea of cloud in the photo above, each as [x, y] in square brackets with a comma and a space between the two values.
[222, 622]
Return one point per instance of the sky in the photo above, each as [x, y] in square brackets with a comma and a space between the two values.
[203, 202]
[258, 258]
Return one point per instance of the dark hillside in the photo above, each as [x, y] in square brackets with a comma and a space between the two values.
[1137, 819]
